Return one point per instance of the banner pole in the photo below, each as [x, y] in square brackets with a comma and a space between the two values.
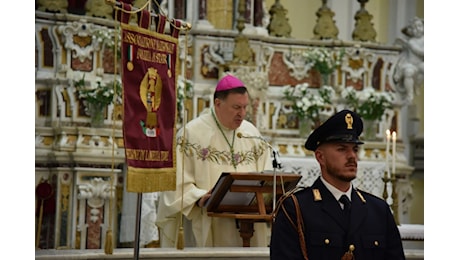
[138, 211]
[138, 225]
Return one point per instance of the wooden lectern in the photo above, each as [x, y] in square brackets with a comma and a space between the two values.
[248, 197]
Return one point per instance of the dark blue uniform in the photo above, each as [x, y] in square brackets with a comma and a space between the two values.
[372, 229]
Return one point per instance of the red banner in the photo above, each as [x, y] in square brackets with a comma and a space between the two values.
[149, 63]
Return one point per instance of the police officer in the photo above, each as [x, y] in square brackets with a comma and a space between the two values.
[332, 219]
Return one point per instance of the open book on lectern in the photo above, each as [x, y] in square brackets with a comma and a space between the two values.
[239, 189]
[232, 198]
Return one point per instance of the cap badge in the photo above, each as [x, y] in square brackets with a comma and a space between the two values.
[349, 121]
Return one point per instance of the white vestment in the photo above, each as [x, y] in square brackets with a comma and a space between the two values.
[205, 156]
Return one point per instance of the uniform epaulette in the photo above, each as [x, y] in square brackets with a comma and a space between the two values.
[361, 196]
[367, 194]
[317, 195]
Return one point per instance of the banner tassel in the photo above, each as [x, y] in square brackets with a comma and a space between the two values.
[180, 239]
[108, 248]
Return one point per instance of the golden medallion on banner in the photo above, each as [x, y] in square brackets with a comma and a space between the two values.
[130, 57]
[130, 66]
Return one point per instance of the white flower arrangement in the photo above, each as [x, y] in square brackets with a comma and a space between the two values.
[306, 103]
[97, 93]
[368, 103]
[325, 61]
[106, 37]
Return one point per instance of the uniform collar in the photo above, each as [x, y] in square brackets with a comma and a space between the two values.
[336, 192]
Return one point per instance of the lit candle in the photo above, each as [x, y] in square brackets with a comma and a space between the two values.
[387, 152]
[394, 152]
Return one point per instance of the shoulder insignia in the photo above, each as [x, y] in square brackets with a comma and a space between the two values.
[317, 195]
[361, 196]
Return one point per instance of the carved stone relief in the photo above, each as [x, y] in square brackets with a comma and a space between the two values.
[96, 192]
[77, 37]
[297, 64]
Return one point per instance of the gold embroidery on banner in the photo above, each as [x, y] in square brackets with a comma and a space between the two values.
[148, 43]
[150, 180]
[147, 155]
[150, 94]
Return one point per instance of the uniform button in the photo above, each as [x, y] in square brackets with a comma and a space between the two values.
[376, 243]
[351, 248]
[326, 241]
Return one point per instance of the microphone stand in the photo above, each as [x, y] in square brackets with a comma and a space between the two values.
[276, 165]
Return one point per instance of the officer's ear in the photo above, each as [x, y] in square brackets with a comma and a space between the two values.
[319, 155]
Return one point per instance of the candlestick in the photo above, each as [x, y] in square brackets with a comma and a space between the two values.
[394, 153]
[387, 152]
[394, 198]
[385, 180]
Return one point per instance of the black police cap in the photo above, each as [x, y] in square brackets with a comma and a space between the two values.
[343, 127]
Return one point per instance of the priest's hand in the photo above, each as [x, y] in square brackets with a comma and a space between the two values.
[200, 203]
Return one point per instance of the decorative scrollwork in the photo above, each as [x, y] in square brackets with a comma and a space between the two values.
[77, 37]
[297, 64]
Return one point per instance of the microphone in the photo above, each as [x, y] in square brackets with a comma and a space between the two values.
[276, 163]
[240, 135]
